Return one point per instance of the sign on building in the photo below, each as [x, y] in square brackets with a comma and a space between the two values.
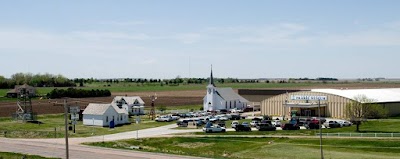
[302, 97]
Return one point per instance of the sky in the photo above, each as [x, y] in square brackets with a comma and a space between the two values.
[166, 39]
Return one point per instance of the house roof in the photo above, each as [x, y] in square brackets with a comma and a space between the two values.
[228, 94]
[130, 99]
[100, 109]
[120, 111]
[387, 95]
[96, 109]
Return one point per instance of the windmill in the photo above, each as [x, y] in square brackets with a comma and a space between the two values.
[152, 114]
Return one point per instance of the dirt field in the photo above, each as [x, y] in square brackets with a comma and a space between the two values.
[168, 98]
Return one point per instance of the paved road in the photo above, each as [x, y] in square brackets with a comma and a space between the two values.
[56, 147]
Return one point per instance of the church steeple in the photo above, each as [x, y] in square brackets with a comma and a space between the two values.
[211, 78]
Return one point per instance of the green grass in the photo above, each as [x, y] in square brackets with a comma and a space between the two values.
[51, 122]
[214, 147]
[10, 155]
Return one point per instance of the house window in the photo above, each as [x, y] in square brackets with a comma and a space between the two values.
[121, 117]
[113, 118]
[235, 104]
[106, 119]
[230, 104]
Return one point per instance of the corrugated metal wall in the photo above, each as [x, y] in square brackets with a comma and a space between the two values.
[274, 105]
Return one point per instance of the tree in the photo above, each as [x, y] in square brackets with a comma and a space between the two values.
[362, 108]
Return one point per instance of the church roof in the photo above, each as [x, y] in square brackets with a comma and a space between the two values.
[228, 94]
[211, 82]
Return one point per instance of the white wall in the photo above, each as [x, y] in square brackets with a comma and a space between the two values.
[96, 120]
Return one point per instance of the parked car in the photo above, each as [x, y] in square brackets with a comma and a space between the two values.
[311, 125]
[164, 118]
[234, 123]
[266, 127]
[254, 123]
[235, 117]
[290, 126]
[183, 123]
[344, 123]
[221, 123]
[212, 129]
[332, 124]
[276, 123]
[246, 124]
[175, 117]
[241, 127]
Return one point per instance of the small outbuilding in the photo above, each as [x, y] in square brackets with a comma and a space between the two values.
[104, 115]
[18, 88]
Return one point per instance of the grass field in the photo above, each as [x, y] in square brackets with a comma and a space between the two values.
[275, 148]
[10, 155]
[53, 126]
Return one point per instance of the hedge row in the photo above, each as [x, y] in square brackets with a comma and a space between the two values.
[78, 93]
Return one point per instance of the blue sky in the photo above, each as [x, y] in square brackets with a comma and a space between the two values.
[166, 39]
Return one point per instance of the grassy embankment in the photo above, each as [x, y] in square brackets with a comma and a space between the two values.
[10, 155]
[53, 126]
[264, 147]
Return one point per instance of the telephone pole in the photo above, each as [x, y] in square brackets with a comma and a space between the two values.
[66, 125]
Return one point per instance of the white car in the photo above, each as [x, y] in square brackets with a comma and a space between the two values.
[254, 123]
[175, 117]
[276, 123]
[344, 123]
[216, 128]
[164, 118]
[234, 123]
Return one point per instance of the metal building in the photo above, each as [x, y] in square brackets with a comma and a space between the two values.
[331, 101]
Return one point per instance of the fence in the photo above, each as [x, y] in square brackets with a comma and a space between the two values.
[360, 134]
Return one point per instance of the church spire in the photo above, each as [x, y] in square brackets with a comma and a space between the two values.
[211, 78]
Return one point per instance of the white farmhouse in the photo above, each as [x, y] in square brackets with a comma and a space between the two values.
[103, 114]
[133, 105]
[222, 98]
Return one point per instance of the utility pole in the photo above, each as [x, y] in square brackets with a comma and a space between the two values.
[66, 126]
[320, 128]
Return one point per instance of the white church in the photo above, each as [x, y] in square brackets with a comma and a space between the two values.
[222, 98]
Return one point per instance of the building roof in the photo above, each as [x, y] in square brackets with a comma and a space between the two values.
[228, 94]
[100, 109]
[211, 82]
[96, 109]
[129, 99]
[387, 95]
[120, 111]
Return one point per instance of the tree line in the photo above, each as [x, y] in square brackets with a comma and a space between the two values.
[78, 93]
[37, 80]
